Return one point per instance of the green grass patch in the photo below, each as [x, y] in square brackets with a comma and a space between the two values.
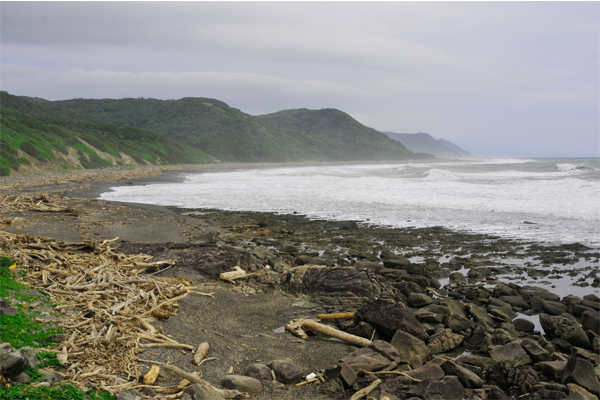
[61, 391]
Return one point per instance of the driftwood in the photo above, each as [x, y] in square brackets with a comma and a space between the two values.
[365, 391]
[237, 273]
[346, 315]
[226, 394]
[200, 353]
[151, 375]
[299, 327]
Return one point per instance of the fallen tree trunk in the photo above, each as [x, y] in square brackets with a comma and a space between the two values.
[299, 327]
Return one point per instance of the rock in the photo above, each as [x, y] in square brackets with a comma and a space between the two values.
[286, 371]
[388, 317]
[512, 353]
[343, 372]
[576, 392]
[396, 262]
[260, 372]
[552, 369]
[333, 388]
[581, 372]
[204, 392]
[385, 349]
[444, 340]
[495, 393]
[12, 362]
[527, 292]
[535, 351]
[261, 253]
[502, 290]
[429, 370]
[409, 346]
[366, 359]
[242, 384]
[467, 378]
[418, 300]
[553, 307]
[51, 376]
[591, 320]
[515, 302]
[566, 329]
[130, 394]
[438, 389]
[523, 325]
[319, 279]
[480, 314]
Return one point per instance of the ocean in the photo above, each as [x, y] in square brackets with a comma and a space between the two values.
[553, 201]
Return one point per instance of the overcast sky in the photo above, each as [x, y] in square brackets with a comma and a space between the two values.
[514, 79]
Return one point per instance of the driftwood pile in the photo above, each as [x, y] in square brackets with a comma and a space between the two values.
[107, 301]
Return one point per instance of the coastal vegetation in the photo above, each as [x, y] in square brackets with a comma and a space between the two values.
[60, 137]
[230, 135]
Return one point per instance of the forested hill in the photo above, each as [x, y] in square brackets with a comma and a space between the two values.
[230, 135]
[37, 137]
[354, 140]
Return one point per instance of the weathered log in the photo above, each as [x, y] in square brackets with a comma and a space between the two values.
[226, 394]
[237, 273]
[299, 326]
[346, 315]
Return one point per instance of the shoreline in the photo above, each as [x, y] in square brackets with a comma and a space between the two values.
[278, 249]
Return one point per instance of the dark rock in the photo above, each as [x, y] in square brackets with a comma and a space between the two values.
[12, 362]
[9, 311]
[535, 351]
[334, 389]
[133, 394]
[496, 393]
[366, 359]
[523, 325]
[204, 392]
[315, 279]
[552, 369]
[512, 353]
[528, 292]
[286, 371]
[419, 300]
[502, 290]
[566, 329]
[581, 372]
[343, 372]
[515, 301]
[428, 317]
[241, 383]
[467, 378]
[480, 314]
[260, 372]
[409, 346]
[438, 389]
[396, 262]
[385, 349]
[591, 320]
[576, 392]
[553, 307]
[388, 317]
[482, 363]
[444, 340]
[429, 370]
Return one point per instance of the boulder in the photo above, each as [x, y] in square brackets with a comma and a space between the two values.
[429, 370]
[242, 383]
[581, 372]
[319, 279]
[260, 372]
[385, 349]
[576, 392]
[203, 392]
[480, 314]
[396, 262]
[512, 353]
[343, 372]
[515, 302]
[366, 359]
[536, 351]
[444, 340]
[591, 320]
[467, 378]
[566, 329]
[286, 371]
[523, 325]
[12, 362]
[409, 346]
[388, 317]
[553, 307]
[438, 389]
[418, 300]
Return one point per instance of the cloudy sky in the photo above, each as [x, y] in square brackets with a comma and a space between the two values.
[514, 79]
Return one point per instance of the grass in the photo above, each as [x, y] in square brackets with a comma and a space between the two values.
[22, 330]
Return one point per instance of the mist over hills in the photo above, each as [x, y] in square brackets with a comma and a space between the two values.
[425, 143]
[93, 133]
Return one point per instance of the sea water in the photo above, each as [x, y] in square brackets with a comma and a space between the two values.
[554, 201]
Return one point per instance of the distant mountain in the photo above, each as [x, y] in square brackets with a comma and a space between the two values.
[40, 137]
[425, 143]
[350, 140]
[230, 135]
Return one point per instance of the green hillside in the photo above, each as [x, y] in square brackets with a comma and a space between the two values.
[353, 140]
[230, 135]
[49, 136]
